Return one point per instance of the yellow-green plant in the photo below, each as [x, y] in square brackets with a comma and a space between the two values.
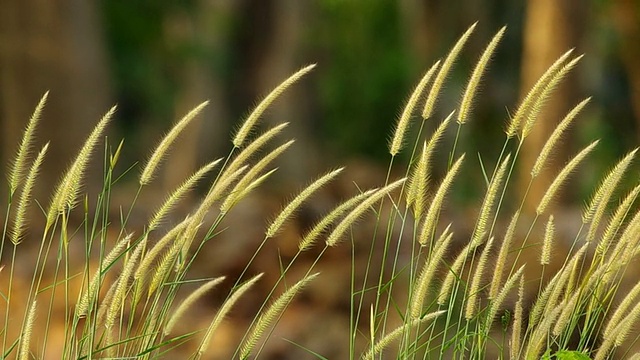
[450, 298]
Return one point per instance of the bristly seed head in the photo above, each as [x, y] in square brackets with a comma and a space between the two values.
[253, 118]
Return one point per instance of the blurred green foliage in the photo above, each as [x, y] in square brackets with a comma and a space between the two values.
[140, 60]
[366, 77]
[366, 68]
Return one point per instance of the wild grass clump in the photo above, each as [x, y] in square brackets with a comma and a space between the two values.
[492, 291]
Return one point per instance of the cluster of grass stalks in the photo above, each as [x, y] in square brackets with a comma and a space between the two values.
[463, 301]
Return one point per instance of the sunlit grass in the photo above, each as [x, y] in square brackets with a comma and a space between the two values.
[457, 295]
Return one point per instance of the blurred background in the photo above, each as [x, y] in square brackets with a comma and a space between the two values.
[157, 59]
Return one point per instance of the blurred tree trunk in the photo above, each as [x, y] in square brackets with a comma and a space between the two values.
[626, 19]
[420, 30]
[428, 27]
[547, 31]
[56, 46]
[282, 58]
[270, 56]
[207, 32]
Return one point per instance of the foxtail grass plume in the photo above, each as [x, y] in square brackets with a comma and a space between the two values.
[476, 76]
[542, 299]
[489, 201]
[549, 233]
[330, 218]
[117, 302]
[549, 298]
[475, 288]
[622, 310]
[438, 82]
[574, 276]
[540, 334]
[627, 240]
[179, 193]
[27, 332]
[158, 154]
[555, 136]
[217, 191]
[18, 167]
[67, 190]
[599, 278]
[356, 213]
[106, 303]
[270, 314]
[164, 265]
[253, 118]
[496, 304]
[616, 221]
[633, 245]
[605, 348]
[252, 148]
[189, 301]
[289, 210]
[454, 272]
[533, 95]
[397, 333]
[598, 204]
[516, 330]
[632, 250]
[403, 123]
[574, 300]
[82, 307]
[246, 190]
[114, 325]
[544, 95]
[562, 177]
[429, 222]
[150, 257]
[429, 268]
[419, 181]
[233, 196]
[222, 312]
[25, 197]
[569, 306]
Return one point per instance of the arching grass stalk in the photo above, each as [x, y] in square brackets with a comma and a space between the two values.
[144, 179]
[415, 193]
[578, 302]
[427, 112]
[358, 309]
[278, 221]
[304, 245]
